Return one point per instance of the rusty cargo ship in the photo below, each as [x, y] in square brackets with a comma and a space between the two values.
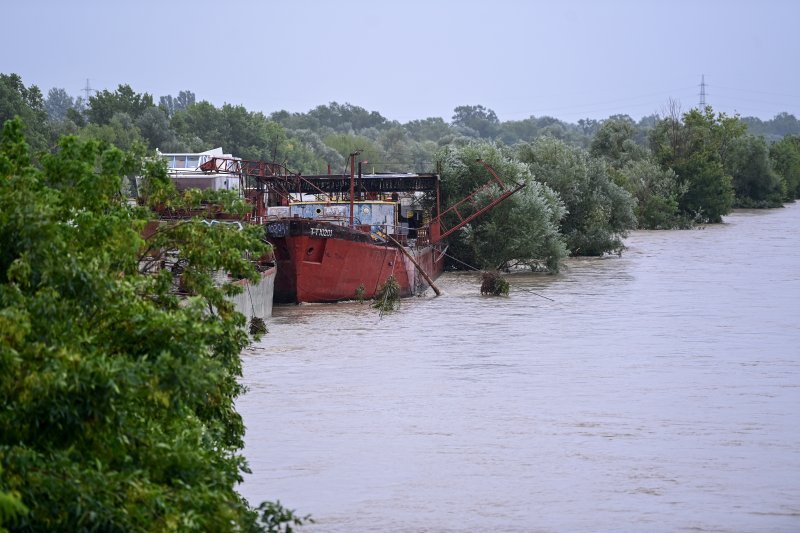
[340, 237]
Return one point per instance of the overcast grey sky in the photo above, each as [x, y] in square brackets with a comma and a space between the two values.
[412, 59]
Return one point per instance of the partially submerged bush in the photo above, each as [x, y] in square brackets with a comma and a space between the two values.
[494, 284]
[257, 326]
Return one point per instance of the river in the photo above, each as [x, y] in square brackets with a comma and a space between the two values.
[656, 391]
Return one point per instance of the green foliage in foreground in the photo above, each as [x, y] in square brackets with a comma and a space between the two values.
[116, 397]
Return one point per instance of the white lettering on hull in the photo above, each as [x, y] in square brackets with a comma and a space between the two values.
[321, 232]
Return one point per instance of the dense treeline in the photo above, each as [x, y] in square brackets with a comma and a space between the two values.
[610, 176]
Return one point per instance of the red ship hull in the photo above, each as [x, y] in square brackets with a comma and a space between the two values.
[323, 262]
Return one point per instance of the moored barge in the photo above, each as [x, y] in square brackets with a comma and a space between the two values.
[340, 237]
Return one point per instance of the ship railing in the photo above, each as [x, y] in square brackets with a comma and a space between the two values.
[423, 238]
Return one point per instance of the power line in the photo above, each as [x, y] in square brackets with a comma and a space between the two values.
[702, 91]
[88, 89]
[628, 101]
[770, 93]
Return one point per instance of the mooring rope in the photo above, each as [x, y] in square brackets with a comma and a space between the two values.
[462, 262]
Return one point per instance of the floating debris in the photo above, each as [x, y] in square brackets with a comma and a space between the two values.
[257, 326]
[494, 284]
[387, 298]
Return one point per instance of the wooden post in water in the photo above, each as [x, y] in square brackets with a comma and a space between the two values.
[419, 267]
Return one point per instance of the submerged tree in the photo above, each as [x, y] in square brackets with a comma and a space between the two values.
[522, 230]
[657, 192]
[631, 165]
[754, 180]
[785, 156]
[118, 397]
[695, 145]
[598, 212]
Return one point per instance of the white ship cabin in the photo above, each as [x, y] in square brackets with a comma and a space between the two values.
[184, 169]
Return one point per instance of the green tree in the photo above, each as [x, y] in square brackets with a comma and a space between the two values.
[397, 149]
[588, 126]
[657, 192]
[755, 182]
[527, 130]
[318, 155]
[775, 129]
[477, 118]
[16, 100]
[785, 155]
[197, 127]
[118, 396]
[643, 128]
[57, 103]
[247, 135]
[105, 104]
[121, 131]
[346, 144]
[599, 212]
[429, 129]
[522, 230]
[614, 141]
[170, 105]
[76, 116]
[709, 193]
[516, 131]
[695, 146]
[422, 157]
[154, 127]
[250, 135]
[784, 124]
[332, 118]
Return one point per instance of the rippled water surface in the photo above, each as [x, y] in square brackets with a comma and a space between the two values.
[657, 391]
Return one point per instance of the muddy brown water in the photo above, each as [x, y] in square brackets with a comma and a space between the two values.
[657, 391]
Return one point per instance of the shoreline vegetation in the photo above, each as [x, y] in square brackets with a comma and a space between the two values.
[119, 401]
[588, 183]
